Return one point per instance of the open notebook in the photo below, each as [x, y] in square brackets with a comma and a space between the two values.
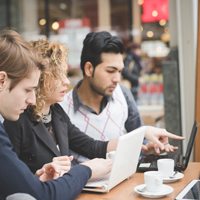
[124, 164]
[149, 162]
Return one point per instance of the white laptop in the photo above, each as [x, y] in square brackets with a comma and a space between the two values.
[124, 164]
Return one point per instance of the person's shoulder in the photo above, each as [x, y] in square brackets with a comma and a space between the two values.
[2, 131]
[57, 109]
[125, 90]
[4, 140]
[127, 94]
[23, 118]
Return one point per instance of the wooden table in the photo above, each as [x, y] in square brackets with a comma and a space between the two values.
[125, 190]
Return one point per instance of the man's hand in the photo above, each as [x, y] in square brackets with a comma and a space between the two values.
[158, 140]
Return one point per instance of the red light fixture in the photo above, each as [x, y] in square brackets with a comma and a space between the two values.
[155, 10]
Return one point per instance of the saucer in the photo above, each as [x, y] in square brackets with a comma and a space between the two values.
[165, 190]
[176, 177]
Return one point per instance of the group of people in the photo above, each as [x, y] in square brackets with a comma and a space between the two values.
[52, 143]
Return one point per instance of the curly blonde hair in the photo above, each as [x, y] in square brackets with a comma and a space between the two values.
[54, 55]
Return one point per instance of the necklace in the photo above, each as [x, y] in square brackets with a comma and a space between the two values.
[46, 118]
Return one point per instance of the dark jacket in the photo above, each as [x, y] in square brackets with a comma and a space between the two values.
[35, 146]
[16, 177]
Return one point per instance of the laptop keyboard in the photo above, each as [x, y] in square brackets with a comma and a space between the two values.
[149, 162]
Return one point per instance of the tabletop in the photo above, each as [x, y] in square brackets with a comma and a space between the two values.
[125, 190]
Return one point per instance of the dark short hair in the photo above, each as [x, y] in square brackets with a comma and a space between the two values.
[96, 43]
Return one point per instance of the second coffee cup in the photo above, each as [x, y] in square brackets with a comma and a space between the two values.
[166, 167]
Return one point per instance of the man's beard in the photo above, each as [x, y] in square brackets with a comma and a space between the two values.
[98, 90]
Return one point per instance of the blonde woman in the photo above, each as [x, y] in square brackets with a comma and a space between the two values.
[44, 132]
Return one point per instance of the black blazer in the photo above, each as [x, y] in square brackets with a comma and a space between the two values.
[16, 177]
[35, 146]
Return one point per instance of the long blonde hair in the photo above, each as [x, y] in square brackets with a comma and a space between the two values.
[54, 55]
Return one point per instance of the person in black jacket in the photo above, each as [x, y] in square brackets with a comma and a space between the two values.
[20, 71]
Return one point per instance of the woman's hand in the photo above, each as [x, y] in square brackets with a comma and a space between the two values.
[64, 162]
[59, 166]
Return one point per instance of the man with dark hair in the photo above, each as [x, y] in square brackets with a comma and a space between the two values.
[97, 43]
[98, 105]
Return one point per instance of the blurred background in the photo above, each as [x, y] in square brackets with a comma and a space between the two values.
[160, 37]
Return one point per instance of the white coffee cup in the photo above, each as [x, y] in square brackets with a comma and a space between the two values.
[111, 155]
[166, 167]
[153, 181]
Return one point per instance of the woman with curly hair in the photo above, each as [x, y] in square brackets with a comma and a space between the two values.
[44, 132]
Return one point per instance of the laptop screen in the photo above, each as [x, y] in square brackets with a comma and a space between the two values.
[149, 161]
[186, 158]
